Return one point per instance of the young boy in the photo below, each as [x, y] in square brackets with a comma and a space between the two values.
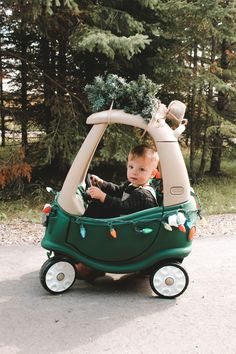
[110, 200]
[134, 195]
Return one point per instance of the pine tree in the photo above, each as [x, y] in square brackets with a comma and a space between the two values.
[196, 30]
[175, 44]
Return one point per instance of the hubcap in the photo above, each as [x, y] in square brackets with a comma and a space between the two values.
[169, 281]
[60, 276]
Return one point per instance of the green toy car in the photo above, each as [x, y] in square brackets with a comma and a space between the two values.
[154, 240]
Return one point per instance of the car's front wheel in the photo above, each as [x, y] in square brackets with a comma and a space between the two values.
[57, 275]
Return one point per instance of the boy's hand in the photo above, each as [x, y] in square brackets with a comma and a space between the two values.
[96, 193]
[96, 181]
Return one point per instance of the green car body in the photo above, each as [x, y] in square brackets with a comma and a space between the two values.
[142, 241]
[141, 238]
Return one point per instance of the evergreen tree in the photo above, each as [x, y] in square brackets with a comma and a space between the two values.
[197, 29]
[55, 48]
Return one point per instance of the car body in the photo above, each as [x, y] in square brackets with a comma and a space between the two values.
[155, 240]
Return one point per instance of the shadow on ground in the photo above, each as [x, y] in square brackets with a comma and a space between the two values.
[37, 321]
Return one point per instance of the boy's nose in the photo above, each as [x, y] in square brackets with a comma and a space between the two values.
[134, 173]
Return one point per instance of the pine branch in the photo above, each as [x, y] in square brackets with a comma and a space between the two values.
[8, 53]
[136, 97]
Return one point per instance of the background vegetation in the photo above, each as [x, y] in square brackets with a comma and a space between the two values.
[51, 49]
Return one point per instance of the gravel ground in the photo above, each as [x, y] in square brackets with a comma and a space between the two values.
[22, 231]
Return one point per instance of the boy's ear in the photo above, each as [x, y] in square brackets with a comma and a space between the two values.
[154, 172]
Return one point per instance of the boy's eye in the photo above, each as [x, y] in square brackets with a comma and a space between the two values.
[142, 169]
[130, 167]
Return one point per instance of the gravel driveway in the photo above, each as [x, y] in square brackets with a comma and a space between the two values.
[22, 231]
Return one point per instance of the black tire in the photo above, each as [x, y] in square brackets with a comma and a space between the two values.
[169, 280]
[57, 275]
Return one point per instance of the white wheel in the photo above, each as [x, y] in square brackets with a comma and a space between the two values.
[169, 280]
[57, 275]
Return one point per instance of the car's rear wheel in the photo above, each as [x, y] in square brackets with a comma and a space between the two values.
[169, 280]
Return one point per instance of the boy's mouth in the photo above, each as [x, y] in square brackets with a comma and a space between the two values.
[133, 179]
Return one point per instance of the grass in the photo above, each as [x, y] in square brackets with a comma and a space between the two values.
[22, 209]
[28, 207]
[217, 195]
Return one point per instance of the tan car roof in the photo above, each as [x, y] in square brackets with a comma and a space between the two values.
[176, 185]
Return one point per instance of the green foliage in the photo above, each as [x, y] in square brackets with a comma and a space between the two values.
[104, 91]
[115, 20]
[206, 80]
[136, 97]
[65, 132]
[50, 5]
[112, 146]
[141, 97]
[95, 40]
[188, 47]
[149, 3]
[226, 129]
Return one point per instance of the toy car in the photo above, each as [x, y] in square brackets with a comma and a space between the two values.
[154, 240]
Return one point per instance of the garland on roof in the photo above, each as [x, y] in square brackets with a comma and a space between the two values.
[136, 96]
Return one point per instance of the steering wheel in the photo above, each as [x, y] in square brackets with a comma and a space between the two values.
[82, 189]
[88, 181]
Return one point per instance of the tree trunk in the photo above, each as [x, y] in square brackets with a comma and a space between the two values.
[58, 162]
[61, 65]
[218, 138]
[205, 142]
[3, 131]
[216, 154]
[192, 138]
[205, 147]
[192, 122]
[47, 83]
[24, 119]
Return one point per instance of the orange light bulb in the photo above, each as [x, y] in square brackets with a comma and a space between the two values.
[113, 233]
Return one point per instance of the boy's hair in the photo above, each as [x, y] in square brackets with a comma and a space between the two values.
[145, 150]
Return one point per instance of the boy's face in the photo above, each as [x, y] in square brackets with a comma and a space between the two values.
[140, 169]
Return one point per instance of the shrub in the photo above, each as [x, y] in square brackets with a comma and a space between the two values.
[14, 169]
